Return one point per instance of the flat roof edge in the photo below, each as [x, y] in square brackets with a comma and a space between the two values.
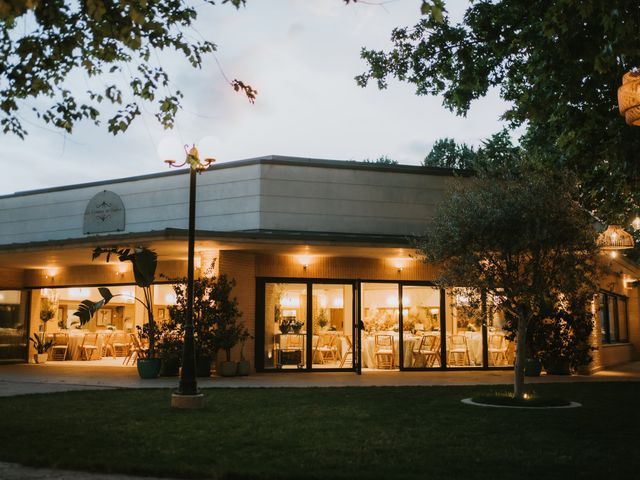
[266, 160]
[176, 233]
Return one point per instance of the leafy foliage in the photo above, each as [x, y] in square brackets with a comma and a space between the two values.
[557, 62]
[45, 44]
[382, 160]
[498, 156]
[40, 343]
[524, 241]
[215, 314]
[446, 153]
[144, 262]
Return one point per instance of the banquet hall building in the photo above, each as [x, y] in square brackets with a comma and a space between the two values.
[321, 252]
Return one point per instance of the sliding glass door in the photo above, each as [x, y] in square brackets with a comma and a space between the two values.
[308, 326]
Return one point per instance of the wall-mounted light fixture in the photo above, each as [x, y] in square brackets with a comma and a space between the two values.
[50, 274]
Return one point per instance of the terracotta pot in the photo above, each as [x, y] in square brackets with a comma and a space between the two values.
[40, 357]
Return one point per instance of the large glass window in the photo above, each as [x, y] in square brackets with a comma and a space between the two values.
[464, 320]
[421, 326]
[13, 334]
[332, 310]
[501, 352]
[285, 325]
[381, 318]
[613, 312]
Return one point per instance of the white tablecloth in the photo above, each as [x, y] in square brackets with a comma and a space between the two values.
[369, 349]
[73, 345]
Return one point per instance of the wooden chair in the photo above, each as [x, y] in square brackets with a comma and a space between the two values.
[457, 352]
[384, 351]
[88, 346]
[106, 344]
[121, 344]
[60, 346]
[137, 350]
[427, 349]
[348, 352]
[497, 349]
[326, 348]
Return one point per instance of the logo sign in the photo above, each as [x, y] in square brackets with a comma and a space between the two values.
[104, 213]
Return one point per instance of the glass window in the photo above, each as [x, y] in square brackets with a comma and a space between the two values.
[501, 351]
[464, 319]
[381, 318]
[13, 334]
[332, 342]
[285, 325]
[421, 326]
[613, 313]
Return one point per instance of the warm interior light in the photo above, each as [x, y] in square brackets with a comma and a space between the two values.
[291, 300]
[434, 311]
[615, 238]
[304, 260]
[613, 254]
[51, 273]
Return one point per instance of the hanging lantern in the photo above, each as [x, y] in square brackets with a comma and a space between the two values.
[636, 223]
[629, 97]
[615, 238]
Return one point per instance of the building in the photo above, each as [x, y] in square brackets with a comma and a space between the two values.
[316, 247]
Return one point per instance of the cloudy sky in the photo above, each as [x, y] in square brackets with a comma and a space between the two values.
[301, 56]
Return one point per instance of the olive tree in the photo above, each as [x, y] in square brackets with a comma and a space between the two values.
[523, 240]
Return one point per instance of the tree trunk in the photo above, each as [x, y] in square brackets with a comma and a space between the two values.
[521, 355]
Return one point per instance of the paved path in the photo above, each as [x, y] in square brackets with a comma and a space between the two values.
[53, 377]
[13, 471]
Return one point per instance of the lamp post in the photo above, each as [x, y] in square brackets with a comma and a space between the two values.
[187, 395]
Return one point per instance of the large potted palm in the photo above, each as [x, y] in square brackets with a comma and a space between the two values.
[144, 262]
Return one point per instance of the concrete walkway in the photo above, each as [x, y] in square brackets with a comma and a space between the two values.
[54, 377]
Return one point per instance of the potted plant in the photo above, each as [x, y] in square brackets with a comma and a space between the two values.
[42, 346]
[296, 325]
[322, 320]
[144, 262]
[169, 347]
[47, 312]
[244, 367]
[204, 312]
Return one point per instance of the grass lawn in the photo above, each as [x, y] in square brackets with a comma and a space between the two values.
[368, 433]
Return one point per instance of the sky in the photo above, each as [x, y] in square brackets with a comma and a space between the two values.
[302, 57]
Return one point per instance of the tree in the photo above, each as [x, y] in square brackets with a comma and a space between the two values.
[43, 45]
[382, 160]
[446, 153]
[497, 156]
[524, 241]
[557, 62]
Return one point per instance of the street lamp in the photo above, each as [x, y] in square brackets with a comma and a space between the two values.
[187, 395]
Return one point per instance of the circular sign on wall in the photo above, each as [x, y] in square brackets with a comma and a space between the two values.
[104, 213]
